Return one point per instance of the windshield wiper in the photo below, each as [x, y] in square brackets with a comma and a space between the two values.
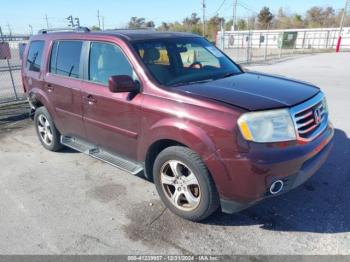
[229, 74]
[193, 82]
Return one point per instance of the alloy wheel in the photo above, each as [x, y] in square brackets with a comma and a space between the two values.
[180, 185]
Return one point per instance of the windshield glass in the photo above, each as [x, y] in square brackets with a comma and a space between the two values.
[181, 61]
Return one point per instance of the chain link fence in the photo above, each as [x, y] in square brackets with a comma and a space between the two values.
[263, 45]
[242, 46]
[10, 67]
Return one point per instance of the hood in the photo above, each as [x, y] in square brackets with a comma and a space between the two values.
[253, 91]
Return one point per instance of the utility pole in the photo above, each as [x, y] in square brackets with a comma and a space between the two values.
[31, 29]
[9, 28]
[98, 18]
[47, 21]
[234, 16]
[341, 26]
[203, 8]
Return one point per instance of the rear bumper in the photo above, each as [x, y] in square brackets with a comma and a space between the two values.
[251, 175]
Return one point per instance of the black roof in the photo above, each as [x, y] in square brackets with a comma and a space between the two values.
[145, 34]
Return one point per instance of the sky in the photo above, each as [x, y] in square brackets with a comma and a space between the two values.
[17, 15]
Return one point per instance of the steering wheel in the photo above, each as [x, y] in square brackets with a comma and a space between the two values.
[194, 64]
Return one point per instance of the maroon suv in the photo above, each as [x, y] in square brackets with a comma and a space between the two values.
[175, 107]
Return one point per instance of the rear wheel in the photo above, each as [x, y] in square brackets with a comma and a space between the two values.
[184, 183]
[46, 130]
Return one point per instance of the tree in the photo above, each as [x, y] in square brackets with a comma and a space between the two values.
[95, 28]
[228, 25]
[321, 17]
[139, 22]
[242, 24]
[192, 20]
[214, 25]
[191, 24]
[265, 17]
[150, 24]
[164, 27]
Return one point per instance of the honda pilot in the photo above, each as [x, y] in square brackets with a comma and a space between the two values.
[174, 107]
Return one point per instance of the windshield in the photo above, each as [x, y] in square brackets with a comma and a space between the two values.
[181, 61]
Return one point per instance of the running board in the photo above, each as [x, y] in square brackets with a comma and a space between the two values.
[98, 153]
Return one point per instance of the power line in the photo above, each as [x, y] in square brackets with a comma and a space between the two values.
[219, 8]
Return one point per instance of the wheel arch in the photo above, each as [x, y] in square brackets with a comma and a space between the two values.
[170, 132]
[37, 98]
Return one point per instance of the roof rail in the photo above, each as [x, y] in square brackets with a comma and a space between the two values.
[64, 29]
[131, 29]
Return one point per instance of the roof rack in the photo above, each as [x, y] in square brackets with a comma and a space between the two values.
[64, 29]
[132, 29]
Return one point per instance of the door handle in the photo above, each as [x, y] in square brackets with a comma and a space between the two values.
[91, 100]
[49, 88]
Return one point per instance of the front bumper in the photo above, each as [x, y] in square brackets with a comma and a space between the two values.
[252, 173]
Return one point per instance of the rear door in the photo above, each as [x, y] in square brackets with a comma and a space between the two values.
[112, 120]
[63, 85]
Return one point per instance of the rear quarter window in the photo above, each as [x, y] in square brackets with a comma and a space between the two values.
[34, 58]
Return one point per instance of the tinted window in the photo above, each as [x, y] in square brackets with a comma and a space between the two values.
[35, 55]
[65, 58]
[107, 60]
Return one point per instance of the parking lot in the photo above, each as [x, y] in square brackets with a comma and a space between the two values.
[69, 203]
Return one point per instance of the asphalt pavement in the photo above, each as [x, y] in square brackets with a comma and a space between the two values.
[69, 203]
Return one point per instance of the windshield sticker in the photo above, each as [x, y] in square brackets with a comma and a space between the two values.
[214, 51]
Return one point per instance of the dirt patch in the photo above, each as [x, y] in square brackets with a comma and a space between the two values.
[106, 193]
[154, 225]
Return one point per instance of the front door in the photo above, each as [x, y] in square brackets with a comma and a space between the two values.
[112, 120]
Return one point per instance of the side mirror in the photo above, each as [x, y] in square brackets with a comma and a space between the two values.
[121, 83]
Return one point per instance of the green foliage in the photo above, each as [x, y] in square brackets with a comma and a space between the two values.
[95, 28]
[264, 18]
[314, 17]
[140, 22]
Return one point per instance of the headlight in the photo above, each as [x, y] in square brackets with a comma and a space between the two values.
[267, 126]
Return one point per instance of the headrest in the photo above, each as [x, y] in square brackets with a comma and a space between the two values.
[151, 55]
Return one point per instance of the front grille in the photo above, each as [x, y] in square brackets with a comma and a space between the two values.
[310, 118]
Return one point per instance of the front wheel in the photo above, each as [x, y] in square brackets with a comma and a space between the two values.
[184, 183]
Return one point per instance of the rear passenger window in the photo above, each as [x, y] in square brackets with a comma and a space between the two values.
[65, 58]
[107, 60]
[35, 55]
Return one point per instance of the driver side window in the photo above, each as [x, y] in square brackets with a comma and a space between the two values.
[107, 60]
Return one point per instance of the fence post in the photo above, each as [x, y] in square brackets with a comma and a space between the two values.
[248, 48]
[222, 36]
[266, 42]
[12, 81]
[281, 45]
[9, 66]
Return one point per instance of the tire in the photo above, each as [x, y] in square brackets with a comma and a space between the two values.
[191, 193]
[46, 130]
